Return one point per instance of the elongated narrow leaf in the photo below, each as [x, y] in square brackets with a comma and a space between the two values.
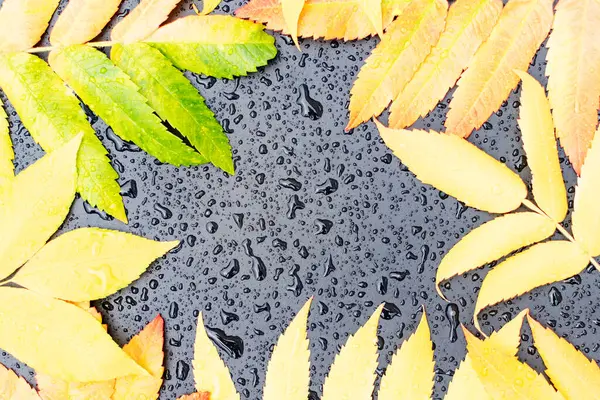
[210, 373]
[35, 205]
[82, 20]
[15, 387]
[89, 263]
[521, 29]
[111, 94]
[291, 14]
[56, 389]
[208, 6]
[352, 374]
[175, 100]
[6, 150]
[573, 80]
[23, 22]
[539, 142]
[458, 168]
[372, 8]
[328, 19]
[288, 373]
[394, 61]
[197, 396]
[145, 18]
[410, 373]
[571, 372]
[53, 116]
[73, 346]
[468, 25]
[539, 265]
[507, 233]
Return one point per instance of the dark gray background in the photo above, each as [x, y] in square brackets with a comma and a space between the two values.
[388, 235]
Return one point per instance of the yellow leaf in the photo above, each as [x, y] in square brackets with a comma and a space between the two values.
[457, 168]
[89, 263]
[539, 265]
[56, 389]
[210, 373]
[487, 82]
[82, 20]
[571, 372]
[60, 339]
[209, 6]
[291, 10]
[23, 22]
[15, 387]
[35, 205]
[352, 374]
[468, 25]
[372, 9]
[288, 373]
[394, 61]
[143, 20]
[410, 373]
[507, 233]
[6, 150]
[573, 79]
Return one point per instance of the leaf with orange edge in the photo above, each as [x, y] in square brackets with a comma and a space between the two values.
[145, 18]
[291, 10]
[196, 396]
[522, 27]
[468, 25]
[23, 22]
[573, 75]
[82, 20]
[15, 387]
[394, 61]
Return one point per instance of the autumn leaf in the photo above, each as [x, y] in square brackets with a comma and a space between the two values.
[522, 27]
[6, 150]
[573, 80]
[196, 396]
[291, 10]
[23, 22]
[56, 389]
[82, 20]
[143, 20]
[15, 387]
[392, 64]
[372, 8]
[208, 6]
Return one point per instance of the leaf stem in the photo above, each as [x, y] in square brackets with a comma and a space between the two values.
[46, 49]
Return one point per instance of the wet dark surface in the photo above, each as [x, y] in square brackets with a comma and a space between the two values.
[311, 211]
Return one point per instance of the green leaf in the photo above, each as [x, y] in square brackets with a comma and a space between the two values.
[53, 116]
[6, 151]
[111, 94]
[215, 45]
[175, 100]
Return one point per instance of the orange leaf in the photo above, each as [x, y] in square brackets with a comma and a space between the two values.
[196, 396]
[394, 61]
[15, 387]
[521, 29]
[291, 14]
[574, 75]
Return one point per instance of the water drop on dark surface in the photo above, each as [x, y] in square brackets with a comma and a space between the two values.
[233, 346]
[452, 313]
[309, 107]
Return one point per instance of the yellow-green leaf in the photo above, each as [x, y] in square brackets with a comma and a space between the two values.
[288, 373]
[291, 10]
[60, 339]
[89, 263]
[208, 6]
[6, 150]
[23, 22]
[144, 19]
[15, 387]
[82, 20]
[411, 371]
[457, 168]
[352, 374]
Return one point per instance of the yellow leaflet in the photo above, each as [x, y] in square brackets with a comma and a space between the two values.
[372, 9]
[468, 24]
[537, 130]
[394, 61]
[35, 205]
[6, 150]
[573, 79]
[539, 265]
[571, 372]
[55, 389]
[23, 22]
[352, 374]
[507, 233]
[210, 373]
[209, 6]
[73, 346]
[457, 168]
[143, 20]
[291, 10]
[586, 213]
[196, 396]
[288, 373]
[410, 373]
[15, 387]
[503, 375]
[82, 20]
[89, 263]
[522, 27]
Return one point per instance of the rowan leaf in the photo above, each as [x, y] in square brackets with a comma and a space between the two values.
[23, 22]
[82, 20]
[56, 389]
[468, 25]
[111, 94]
[143, 20]
[291, 10]
[457, 168]
[573, 81]
[6, 150]
[508, 233]
[570, 371]
[411, 370]
[52, 115]
[352, 374]
[537, 131]
[15, 387]
[288, 373]
[208, 6]
[372, 8]
[522, 27]
[392, 64]
[196, 396]
[539, 265]
[175, 100]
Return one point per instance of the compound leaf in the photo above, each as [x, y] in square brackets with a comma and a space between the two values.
[82, 20]
[23, 22]
[6, 150]
[143, 20]
[15, 387]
